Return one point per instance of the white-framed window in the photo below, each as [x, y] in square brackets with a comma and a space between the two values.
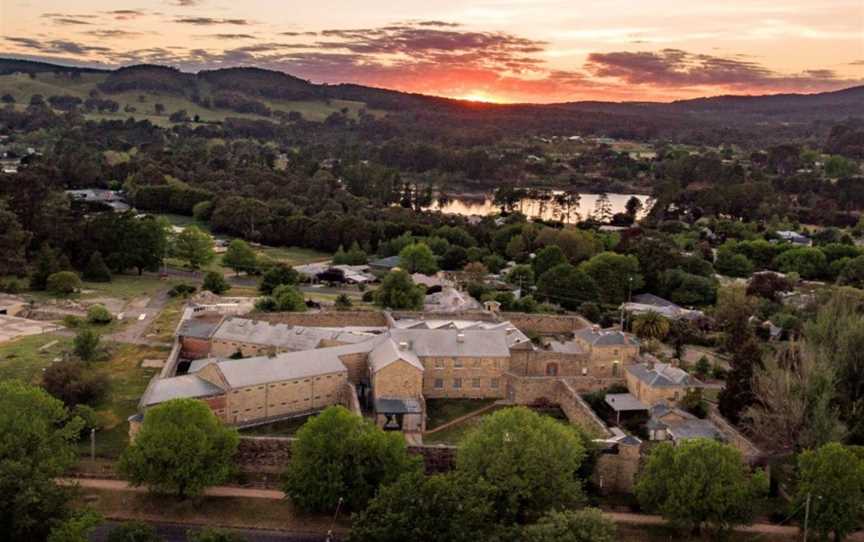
[439, 363]
[475, 383]
[439, 383]
[457, 363]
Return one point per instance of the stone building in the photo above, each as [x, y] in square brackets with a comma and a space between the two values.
[654, 383]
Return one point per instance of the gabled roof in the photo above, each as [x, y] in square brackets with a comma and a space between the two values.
[606, 337]
[388, 352]
[239, 373]
[178, 387]
[454, 343]
[654, 300]
[662, 375]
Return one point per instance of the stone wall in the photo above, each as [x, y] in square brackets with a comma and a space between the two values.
[523, 390]
[348, 397]
[749, 451]
[616, 470]
[578, 412]
[325, 318]
[272, 454]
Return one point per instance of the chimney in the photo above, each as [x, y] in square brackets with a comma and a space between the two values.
[404, 345]
[460, 337]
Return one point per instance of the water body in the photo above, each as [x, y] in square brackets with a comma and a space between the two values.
[482, 205]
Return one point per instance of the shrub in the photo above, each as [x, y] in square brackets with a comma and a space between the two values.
[99, 315]
[343, 302]
[86, 344]
[74, 383]
[182, 290]
[134, 531]
[63, 283]
[215, 282]
[97, 270]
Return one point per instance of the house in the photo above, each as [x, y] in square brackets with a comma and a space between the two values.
[385, 265]
[794, 238]
[450, 300]
[654, 383]
[645, 303]
[111, 198]
[676, 425]
[608, 345]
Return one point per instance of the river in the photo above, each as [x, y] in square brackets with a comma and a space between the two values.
[482, 205]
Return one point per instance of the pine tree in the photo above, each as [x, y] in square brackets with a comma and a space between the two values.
[47, 263]
[96, 270]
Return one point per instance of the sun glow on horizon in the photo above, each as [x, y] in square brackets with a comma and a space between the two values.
[481, 97]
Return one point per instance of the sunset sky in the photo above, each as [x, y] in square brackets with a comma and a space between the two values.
[495, 50]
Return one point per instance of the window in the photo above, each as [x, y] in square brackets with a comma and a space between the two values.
[476, 383]
[584, 371]
[439, 383]
[477, 363]
[551, 369]
[439, 363]
[494, 383]
[457, 383]
[457, 363]
[615, 368]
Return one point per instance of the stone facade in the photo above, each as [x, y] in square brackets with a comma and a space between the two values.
[398, 379]
[475, 378]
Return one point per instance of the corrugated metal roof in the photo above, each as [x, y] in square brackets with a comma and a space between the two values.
[624, 402]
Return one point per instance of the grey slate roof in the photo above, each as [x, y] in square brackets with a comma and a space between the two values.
[388, 352]
[624, 402]
[513, 334]
[240, 373]
[663, 375]
[690, 429]
[568, 347]
[446, 343]
[606, 337]
[178, 387]
[295, 338]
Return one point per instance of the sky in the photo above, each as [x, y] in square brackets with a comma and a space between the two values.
[488, 50]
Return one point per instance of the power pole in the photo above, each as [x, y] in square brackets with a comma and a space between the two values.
[806, 516]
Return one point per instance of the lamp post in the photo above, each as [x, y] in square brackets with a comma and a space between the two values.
[93, 445]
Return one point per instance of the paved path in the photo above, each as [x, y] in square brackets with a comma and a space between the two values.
[618, 517]
[136, 327]
[171, 532]
[218, 491]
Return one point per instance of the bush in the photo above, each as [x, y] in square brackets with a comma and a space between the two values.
[134, 531]
[72, 322]
[182, 290]
[368, 296]
[588, 525]
[11, 286]
[63, 283]
[86, 344]
[215, 282]
[213, 535]
[343, 302]
[99, 315]
[276, 276]
[74, 383]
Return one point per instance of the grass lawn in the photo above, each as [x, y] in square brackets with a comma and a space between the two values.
[210, 511]
[284, 428]
[128, 382]
[162, 328]
[293, 255]
[21, 359]
[452, 435]
[441, 411]
[128, 286]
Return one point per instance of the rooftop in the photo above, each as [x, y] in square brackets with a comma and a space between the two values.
[240, 373]
[388, 352]
[662, 375]
[624, 402]
[606, 337]
[178, 387]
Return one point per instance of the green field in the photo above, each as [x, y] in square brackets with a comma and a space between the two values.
[21, 87]
[21, 359]
[441, 411]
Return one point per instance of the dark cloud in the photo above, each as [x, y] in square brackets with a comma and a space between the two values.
[674, 68]
[57, 46]
[208, 21]
[442, 24]
[233, 36]
[113, 33]
[126, 14]
[294, 34]
[69, 19]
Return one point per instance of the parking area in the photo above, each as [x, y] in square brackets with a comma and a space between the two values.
[12, 327]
